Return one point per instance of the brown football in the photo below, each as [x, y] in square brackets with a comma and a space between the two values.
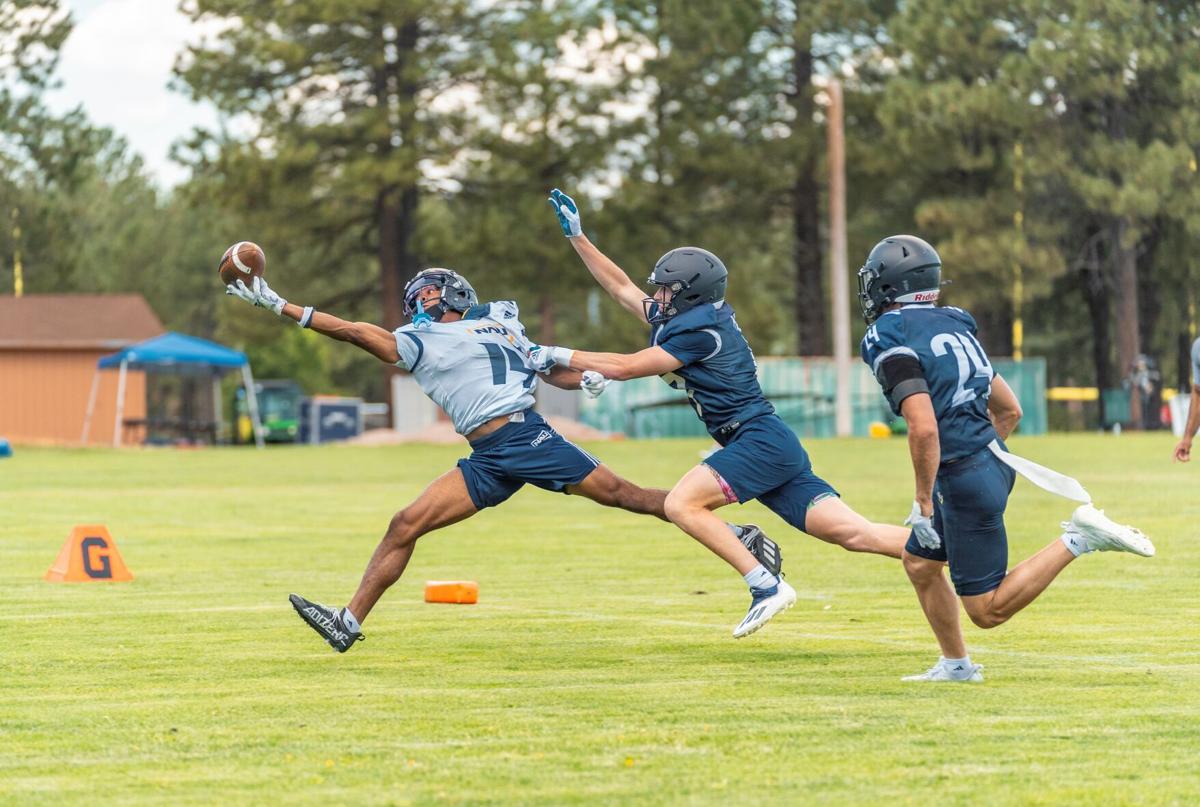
[242, 261]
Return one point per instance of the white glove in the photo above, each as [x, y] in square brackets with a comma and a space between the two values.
[238, 289]
[543, 358]
[258, 294]
[922, 526]
[592, 383]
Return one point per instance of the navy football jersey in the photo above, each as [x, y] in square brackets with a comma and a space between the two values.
[719, 373]
[955, 366]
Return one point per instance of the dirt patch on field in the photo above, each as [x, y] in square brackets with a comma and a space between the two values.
[443, 433]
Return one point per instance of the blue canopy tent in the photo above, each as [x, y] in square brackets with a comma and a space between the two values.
[175, 353]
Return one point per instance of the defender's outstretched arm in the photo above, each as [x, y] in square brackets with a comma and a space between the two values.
[617, 366]
[611, 277]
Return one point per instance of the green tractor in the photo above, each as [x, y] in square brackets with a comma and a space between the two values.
[279, 408]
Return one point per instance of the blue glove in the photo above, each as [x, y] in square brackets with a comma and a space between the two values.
[567, 212]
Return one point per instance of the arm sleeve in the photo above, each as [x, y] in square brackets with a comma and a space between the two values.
[410, 348]
[692, 346]
[895, 365]
[901, 376]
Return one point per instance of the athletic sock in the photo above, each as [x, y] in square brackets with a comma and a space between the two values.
[1074, 542]
[951, 663]
[759, 577]
[350, 621]
[736, 530]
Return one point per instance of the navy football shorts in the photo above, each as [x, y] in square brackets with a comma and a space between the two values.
[969, 498]
[519, 452]
[764, 460]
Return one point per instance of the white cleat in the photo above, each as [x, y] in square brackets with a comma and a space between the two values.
[766, 604]
[1101, 533]
[944, 672]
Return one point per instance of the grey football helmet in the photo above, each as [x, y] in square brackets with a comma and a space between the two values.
[457, 294]
[694, 277]
[899, 269]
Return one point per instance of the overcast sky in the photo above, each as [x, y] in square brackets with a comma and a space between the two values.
[117, 63]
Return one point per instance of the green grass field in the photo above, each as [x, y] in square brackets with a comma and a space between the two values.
[598, 665]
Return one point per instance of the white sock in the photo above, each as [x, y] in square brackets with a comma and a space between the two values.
[759, 577]
[350, 621]
[957, 667]
[735, 529]
[1074, 542]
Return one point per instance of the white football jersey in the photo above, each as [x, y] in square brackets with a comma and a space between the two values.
[475, 369]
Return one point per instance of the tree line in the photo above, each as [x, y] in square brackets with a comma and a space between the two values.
[1048, 149]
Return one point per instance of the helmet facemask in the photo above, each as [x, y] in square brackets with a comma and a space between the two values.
[658, 311]
[456, 294]
[867, 275]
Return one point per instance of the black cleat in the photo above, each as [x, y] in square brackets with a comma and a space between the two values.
[327, 622]
[763, 548]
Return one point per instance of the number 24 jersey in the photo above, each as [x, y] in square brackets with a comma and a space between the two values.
[955, 366]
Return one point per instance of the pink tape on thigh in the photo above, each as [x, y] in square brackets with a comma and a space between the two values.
[730, 496]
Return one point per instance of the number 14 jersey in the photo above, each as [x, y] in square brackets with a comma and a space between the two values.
[955, 366]
[475, 368]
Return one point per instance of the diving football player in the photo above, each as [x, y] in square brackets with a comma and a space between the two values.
[936, 374]
[471, 359]
[696, 346]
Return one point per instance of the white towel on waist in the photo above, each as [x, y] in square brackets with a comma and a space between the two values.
[1043, 477]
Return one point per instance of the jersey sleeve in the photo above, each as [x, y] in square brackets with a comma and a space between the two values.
[895, 365]
[508, 314]
[1196, 362]
[409, 346]
[692, 346]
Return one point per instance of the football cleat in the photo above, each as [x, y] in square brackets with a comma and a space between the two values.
[762, 548]
[945, 672]
[327, 622]
[1101, 533]
[764, 604]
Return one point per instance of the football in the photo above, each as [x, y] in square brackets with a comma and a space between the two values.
[244, 260]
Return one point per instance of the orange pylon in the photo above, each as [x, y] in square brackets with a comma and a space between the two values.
[90, 555]
[457, 592]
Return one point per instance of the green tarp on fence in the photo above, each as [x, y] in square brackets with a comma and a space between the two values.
[802, 390]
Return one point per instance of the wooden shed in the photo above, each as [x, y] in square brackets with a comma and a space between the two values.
[49, 346]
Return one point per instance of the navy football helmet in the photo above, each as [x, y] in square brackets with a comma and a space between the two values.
[457, 294]
[899, 269]
[694, 276]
